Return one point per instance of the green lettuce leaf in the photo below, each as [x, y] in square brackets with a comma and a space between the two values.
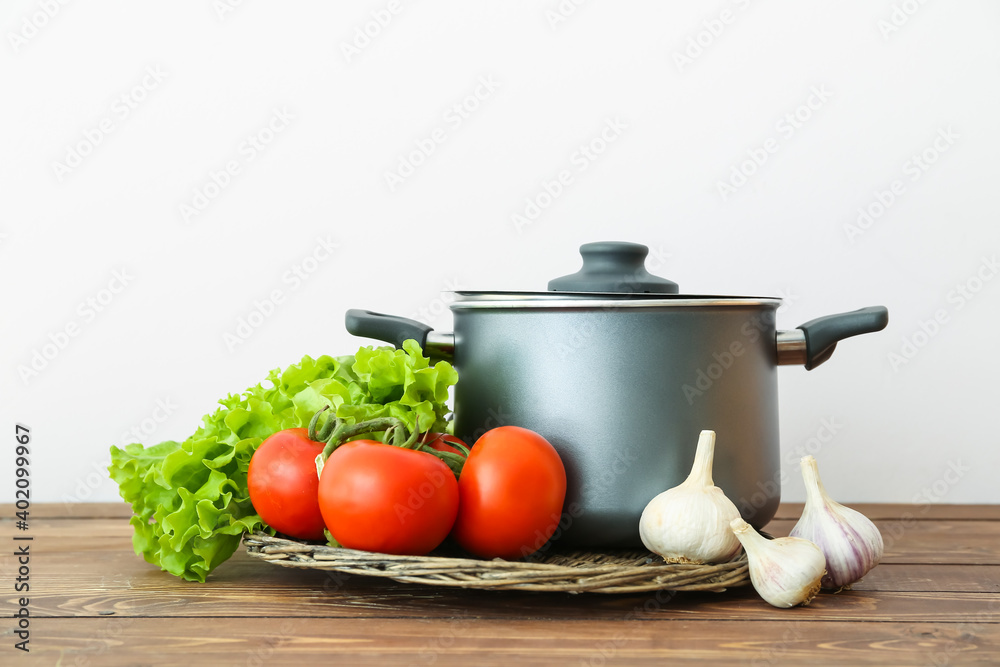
[190, 499]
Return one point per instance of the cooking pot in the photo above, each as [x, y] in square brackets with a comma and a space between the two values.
[621, 373]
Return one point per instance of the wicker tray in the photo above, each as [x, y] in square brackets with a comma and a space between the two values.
[569, 572]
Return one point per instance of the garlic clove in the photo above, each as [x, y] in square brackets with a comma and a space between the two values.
[690, 522]
[851, 543]
[785, 571]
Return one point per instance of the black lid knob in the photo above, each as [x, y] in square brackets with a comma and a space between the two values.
[613, 266]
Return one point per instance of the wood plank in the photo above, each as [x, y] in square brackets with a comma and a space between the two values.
[70, 529]
[91, 561]
[944, 578]
[129, 641]
[952, 542]
[898, 511]
[373, 601]
[909, 541]
[885, 511]
[88, 583]
[63, 510]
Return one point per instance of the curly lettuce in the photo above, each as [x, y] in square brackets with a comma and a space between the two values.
[190, 500]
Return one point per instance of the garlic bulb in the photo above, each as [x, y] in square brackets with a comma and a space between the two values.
[690, 522]
[785, 571]
[850, 542]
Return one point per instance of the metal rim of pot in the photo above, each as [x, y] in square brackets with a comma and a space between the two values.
[614, 276]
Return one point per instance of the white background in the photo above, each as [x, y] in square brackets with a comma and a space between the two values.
[895, 76]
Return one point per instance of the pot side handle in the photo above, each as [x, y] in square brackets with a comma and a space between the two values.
[813, 342]
[394, 329]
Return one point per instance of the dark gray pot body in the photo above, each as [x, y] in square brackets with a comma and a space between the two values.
[623, 393]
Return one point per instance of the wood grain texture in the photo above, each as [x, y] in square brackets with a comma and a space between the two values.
[969, 542]
[78, 583]
[112, 642]
[887, 511]
[935, 600]
[895, 512]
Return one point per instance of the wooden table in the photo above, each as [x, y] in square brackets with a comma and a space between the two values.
[935, 600]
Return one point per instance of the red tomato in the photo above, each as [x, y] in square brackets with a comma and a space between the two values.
[283, 484]
[440, 442]
[511, 494]
[386, 499]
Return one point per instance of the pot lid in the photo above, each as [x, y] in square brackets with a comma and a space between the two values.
[613, 267]
[591, 300]
[614, 275]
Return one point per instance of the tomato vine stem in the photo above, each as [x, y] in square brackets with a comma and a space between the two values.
[335, 432]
